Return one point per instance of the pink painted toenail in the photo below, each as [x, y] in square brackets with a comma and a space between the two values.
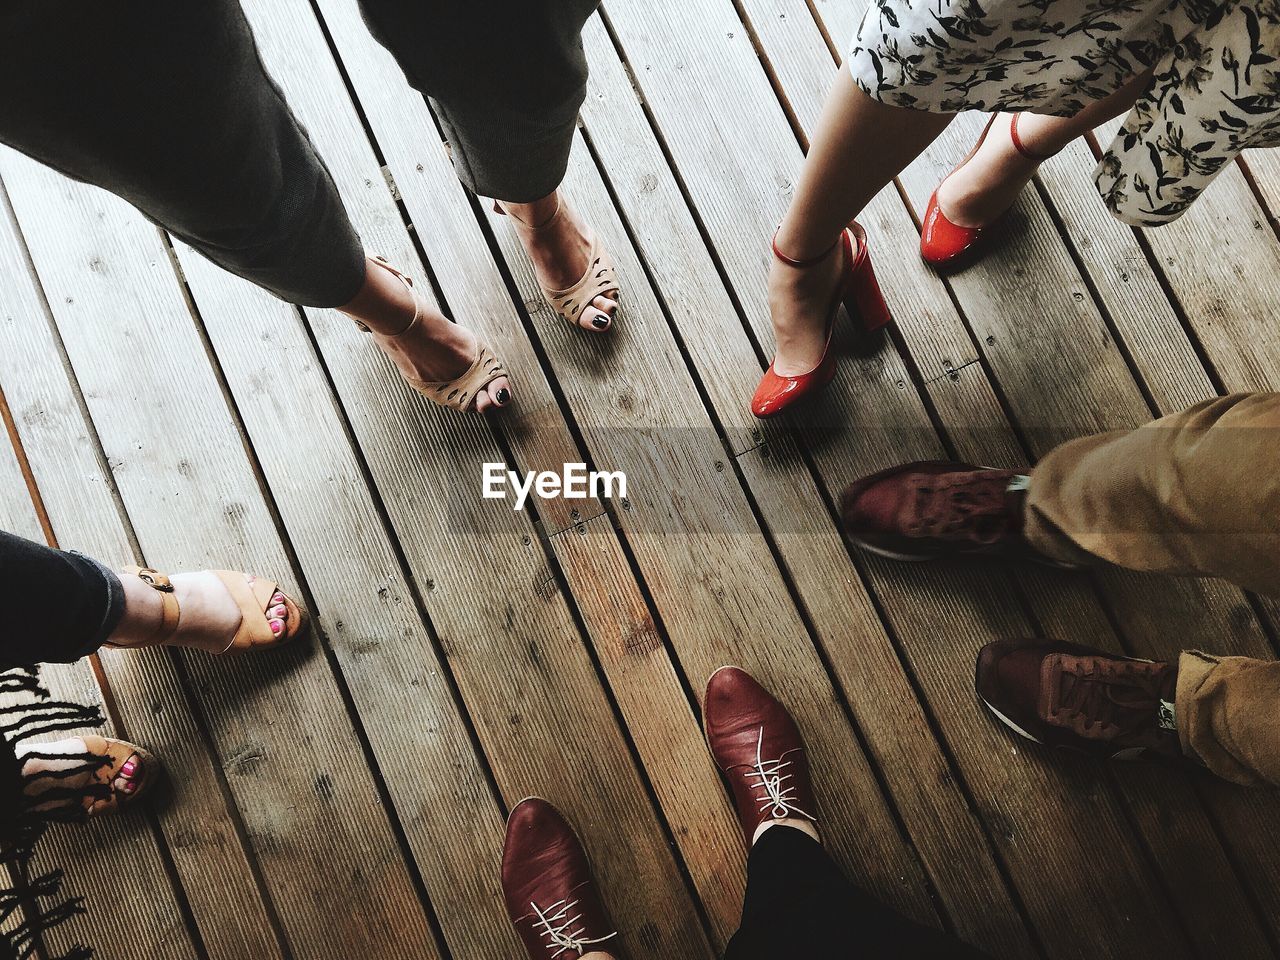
[278, 597]
[280, 610]
[129, 786]
[130, 765]
[277, 626]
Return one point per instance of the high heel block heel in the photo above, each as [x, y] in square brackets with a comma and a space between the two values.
[859, 291]
[864, 301]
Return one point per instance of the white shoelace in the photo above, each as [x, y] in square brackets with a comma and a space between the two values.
[556, 924]
[777, 796]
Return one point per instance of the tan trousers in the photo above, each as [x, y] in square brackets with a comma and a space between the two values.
[1192, 494]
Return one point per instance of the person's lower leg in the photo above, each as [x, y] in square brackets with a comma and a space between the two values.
[987, 186]
[859, 146]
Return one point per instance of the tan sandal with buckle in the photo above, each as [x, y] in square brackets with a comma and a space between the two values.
[459, 392]
[601, 278]
[253, 595]
[82, 771]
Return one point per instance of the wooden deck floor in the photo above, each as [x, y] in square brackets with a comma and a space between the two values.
[347, 799]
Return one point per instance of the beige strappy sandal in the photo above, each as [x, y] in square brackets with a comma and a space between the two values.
[601, 277]
[461, 391]
[253, 595]
[104, 759]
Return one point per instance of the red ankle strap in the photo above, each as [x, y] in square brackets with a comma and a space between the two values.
[1022, 147]
[792, 262]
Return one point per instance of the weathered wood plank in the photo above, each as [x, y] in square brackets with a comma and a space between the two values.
[151, 706]
[290, 754]
[519, 662]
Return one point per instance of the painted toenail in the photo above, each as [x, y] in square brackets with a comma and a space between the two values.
[126, 770]
[129, 786]
[600, 322]
[279, 610]
[504, 395]
[277, 626]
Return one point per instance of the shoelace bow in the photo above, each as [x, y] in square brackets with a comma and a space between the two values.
[1106, 692]
[776, 795]
[975, 509]
[556, 924]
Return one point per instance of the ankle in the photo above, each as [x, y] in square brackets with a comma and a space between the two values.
[385, 305]
[143, 614]
[806, 827]
[535, 214]
[807, 247]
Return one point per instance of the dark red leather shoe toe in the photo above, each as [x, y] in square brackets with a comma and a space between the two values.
[934, 508]
[551, 896]
[758, 748]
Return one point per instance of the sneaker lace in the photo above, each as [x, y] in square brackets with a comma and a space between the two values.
[1112, 693]
[971, 507]
[556, 926]
[775, 796]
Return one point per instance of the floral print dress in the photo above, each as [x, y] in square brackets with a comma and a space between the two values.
[1215, 88]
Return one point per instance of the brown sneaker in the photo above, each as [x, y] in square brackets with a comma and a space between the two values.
[932, 508]
[1066, 695]
[551, 896]
[757, 746]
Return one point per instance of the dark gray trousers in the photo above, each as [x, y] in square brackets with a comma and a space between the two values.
[168, 106]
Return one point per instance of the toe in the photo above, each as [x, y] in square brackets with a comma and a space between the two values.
[608, 302]
[499, 392]
[129, 777]
[482, 401]
[594, 319]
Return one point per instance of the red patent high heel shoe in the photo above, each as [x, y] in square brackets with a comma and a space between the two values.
[860, 294]
[942, 242]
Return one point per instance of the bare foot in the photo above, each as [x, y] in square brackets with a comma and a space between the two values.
[982, 190]
[800, 305]
[559, 244]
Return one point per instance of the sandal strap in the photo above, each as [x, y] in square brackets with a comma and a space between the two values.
[253, 599]
[807, 262]
[460, 391]
[1022, 147]
[500, 209]
[408, 285]
[170, 611]
[601, 277]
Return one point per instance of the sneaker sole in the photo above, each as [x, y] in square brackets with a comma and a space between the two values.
[1009, 723]
[1129, 753]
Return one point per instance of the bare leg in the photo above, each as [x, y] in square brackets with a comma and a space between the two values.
[860, 145]
[988, 185]
[437, 349]
[559, 247]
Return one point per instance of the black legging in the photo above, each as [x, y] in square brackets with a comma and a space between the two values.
[800, 905]
[58, 606]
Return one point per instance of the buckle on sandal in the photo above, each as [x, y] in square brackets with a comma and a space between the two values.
[156, 579]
